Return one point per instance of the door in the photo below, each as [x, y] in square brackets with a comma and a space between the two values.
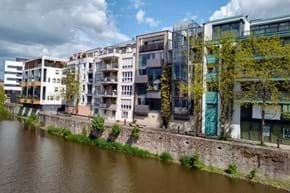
[211, 120]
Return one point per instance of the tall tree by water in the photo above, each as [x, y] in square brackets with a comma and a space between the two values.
[72, 94]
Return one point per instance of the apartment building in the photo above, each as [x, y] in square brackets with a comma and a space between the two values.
[153, 51]
[275, 125]
[245, 119]
[213, 30]
[12, 78]
[84, 66]
[42, 84]
[114, 82]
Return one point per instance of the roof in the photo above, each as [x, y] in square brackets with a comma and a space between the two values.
[226, 19]
[270, 20]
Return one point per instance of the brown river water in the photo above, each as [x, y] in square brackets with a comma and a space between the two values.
[32, 162]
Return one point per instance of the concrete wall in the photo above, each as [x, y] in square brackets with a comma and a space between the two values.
[271, 163]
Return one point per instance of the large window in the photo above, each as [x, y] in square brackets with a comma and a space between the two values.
[127, 76]
[126, 104]
[127, 63]
[145, 59]
[219, 30]
[154, 77]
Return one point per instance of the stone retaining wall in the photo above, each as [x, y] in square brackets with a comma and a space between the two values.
[271, 163]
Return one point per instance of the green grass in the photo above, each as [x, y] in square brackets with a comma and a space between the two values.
[165, 156]
[102, 143]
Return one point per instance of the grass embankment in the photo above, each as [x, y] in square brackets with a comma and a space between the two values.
[102, 143]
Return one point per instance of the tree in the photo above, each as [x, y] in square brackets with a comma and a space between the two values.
[263, 71]
[224, 81]
[72, 93]
[2, 96]
[166, 94]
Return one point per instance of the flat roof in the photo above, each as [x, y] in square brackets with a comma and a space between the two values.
[227, 19]
[270, 20]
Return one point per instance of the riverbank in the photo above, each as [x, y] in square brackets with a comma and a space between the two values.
[216, 156]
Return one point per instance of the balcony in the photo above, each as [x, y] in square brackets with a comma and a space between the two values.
[36, 83]
[141, 79]
[151, 94]
[109, 67]
[109, 107]
[211, 59]
[154, 63]
[109, 94]
[151, 47]
[283, 98]
[211, 97]
[109, 55]
[141, 109]
[36, 101]
[210, 77]
[109, 81]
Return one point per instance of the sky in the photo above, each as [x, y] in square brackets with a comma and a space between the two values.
[31, 28]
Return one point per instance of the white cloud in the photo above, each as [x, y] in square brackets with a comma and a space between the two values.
[253, 8]
[30, 28]
[141, 18]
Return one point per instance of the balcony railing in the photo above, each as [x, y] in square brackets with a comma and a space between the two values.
[111, 107]
[152, 47]
[141, 79]
[141, 109]
[151, 94]
[211, 97]
[211, 59]
[109, 67]
[283, 97]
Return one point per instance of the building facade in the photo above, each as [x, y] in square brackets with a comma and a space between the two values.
[83, 64]
[12, 77]
[114, 78]
[43, 85]
[153, 51]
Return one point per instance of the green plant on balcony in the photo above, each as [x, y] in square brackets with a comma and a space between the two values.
[166, 95]
[149, 88]
[285, 116]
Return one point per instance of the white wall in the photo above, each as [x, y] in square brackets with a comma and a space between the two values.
[10, 72]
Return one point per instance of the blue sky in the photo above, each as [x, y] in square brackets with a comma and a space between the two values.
[166, 12]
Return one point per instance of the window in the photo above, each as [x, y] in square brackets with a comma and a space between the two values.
[127, 76]
[123, 50]
[58, 80]
[84, 88]
[54, 80]
[57, 72]
[125, 114]
[127, 63]
[126, 104]
[127, 90]
[146, 59]
[56, 89]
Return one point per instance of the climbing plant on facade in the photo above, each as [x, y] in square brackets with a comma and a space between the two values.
[166, 94]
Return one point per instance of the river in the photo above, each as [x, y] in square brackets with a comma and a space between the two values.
[33, 162]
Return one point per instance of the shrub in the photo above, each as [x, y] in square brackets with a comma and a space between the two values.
[135, 132]
[116, 130]
[63, 132]
[98, 124]
[165, 156]
[252, 174]
[185, 161]
[196, 162]
[193, 161]
[232, 169]
[5, 114]
[32, 122]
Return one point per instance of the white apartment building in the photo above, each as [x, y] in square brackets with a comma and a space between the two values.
[12, 78]
[114, 82]
[84, 66]
[43, 87]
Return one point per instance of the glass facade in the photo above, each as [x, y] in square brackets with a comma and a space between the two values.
[234, 27]
[271, 28]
